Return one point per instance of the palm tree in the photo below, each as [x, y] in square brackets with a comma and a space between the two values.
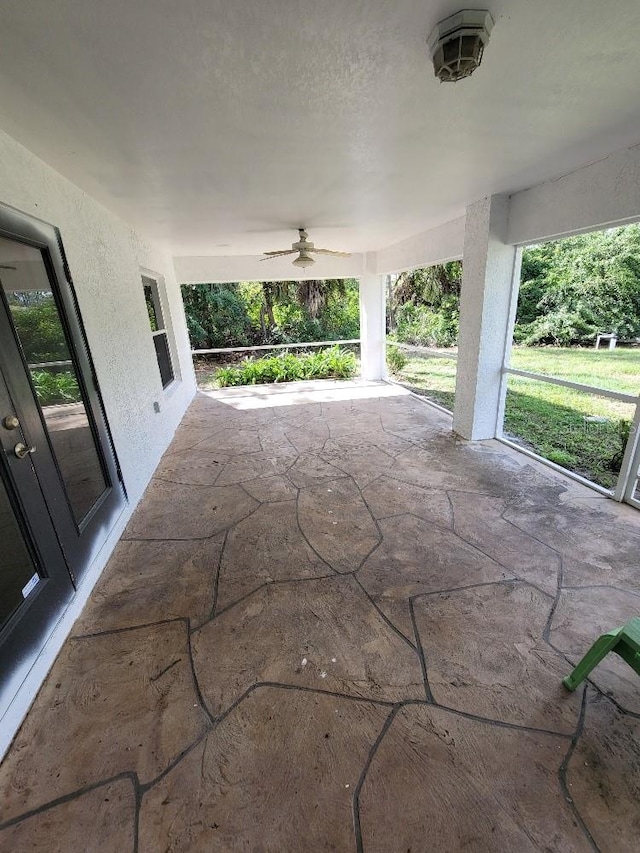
[427, 286]
[313, 294]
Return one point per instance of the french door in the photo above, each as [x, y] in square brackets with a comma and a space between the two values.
[60, 490]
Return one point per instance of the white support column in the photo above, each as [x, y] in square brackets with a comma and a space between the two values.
[490, 278]
[373, 339]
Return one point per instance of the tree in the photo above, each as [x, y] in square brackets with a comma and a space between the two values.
[428, 285]
[245, 313]
[216, 316]
[574, 288]
[424, 305]
[313, 295]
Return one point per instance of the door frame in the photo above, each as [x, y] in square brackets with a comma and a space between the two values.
[26, 630]
[80, 543]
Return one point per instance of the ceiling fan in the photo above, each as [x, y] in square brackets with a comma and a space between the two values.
[303, 248]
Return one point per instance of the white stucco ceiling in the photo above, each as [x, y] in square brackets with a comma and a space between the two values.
[218, 126]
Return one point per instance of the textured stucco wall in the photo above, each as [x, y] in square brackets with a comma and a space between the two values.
[435, 246]
[489, 268]
[603, 194]
[105, 257]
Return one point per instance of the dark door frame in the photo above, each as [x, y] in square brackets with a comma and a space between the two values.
[80, 543]
[24, 633]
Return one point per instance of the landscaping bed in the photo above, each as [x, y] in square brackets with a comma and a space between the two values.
[330, 363]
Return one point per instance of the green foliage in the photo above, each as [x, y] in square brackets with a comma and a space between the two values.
[623, 431]
[574, 288]
[578, 430]
[42, 338]
[561, 327]
[39, 330]
[561, 457]
[55, 388]
[252, 312]
[424, 306]
[396, 359]
[424, 326]
[428, 285]
[217, 316]
[316, 311]
[332, 363]
[571, 290]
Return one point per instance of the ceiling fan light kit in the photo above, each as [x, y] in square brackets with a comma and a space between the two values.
[304, 249]
[304, 259]
[457, 44]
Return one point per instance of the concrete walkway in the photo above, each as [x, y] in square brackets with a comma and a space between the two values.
[331, 626]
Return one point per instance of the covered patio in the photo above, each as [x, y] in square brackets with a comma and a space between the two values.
[331, 624]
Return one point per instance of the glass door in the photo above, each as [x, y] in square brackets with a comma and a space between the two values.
[60, 489]
[53, 390]
[35, 582]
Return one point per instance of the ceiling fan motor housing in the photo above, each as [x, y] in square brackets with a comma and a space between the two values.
[304, 248]
[302, 244]
[457, 44]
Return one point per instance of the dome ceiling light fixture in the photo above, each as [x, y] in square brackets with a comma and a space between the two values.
[458, 42]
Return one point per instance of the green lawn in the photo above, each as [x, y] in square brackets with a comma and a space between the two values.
[577, 430]
[434, 378]
[617, 370]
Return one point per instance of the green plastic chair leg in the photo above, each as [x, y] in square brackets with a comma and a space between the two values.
[598, 651]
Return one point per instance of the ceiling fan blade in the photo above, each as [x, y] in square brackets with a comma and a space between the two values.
[331, 252]
[279, 254]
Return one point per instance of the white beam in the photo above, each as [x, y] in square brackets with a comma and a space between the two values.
[226, 268]
[490, 272]
[435, 246]
[601, 195]
[373, 327]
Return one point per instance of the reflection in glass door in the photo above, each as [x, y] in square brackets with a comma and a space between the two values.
[53, 389]
[60, 489]
[18, 572]
[37, 323]
[35, 582]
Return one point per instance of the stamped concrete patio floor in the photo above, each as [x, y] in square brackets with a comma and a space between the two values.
[330, 625]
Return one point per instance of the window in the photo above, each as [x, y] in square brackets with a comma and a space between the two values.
[158, 330]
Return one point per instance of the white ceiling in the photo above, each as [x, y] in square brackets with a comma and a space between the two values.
[218, 126]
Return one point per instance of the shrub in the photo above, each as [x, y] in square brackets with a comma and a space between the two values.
[579, 286]
[55, 388]
[333, 363]
[560, 329]
[423, 326]
[396, 359]
[216, 316]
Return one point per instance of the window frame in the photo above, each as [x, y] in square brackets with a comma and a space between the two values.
[162, 316]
